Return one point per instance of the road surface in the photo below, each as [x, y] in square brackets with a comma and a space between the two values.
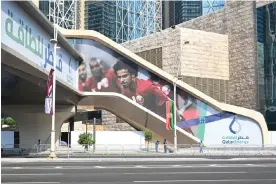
[190, 172]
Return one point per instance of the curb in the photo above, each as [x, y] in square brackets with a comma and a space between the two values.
[137, 159]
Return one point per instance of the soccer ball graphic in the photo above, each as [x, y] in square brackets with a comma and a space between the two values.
[139, 99]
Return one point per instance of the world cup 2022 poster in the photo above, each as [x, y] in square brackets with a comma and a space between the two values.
[104, 70]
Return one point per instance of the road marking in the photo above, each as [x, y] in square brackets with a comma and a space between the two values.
[32, 174]
[240, 165]
[80, 160]
[27, 182]
[178, 181]
[256, 165]
[99, 167]
[167, 173]
[17, 167]
[140, 166]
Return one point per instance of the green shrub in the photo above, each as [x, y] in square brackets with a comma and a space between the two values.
[86, 140]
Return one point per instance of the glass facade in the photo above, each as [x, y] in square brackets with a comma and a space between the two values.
[190, 10]
[123, 20]
[181, 11]
[212, 5]
[266, 36]
[64, 11]
[100, 16]
[44, 8]
[185, 10]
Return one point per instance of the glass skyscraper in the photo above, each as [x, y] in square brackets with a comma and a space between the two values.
[100, 16]
[181, 11]
[135, 19]
[185, 10]
[190, 10]
[123, 20]
[266, 36]
[119, 20]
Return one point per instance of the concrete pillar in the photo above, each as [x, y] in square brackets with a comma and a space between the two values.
[82, 15]
[71, 128]
[33, 124]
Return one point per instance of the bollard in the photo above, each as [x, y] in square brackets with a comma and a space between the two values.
[68, 152]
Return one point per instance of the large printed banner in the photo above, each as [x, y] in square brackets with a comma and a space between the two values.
[24, 35]
[104, 70]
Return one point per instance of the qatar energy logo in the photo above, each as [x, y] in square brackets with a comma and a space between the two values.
[235, 128]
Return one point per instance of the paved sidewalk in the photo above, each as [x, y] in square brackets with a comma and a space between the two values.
[181, 152]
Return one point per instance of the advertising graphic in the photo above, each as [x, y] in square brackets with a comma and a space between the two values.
[49, 94]
[234, 130]
[170, 115]
[21, 33]
[104, 70]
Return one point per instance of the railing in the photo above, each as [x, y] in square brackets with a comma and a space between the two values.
[15, 149]
[143, 149]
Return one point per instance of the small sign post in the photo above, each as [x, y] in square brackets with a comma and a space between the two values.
[94, 135]
[95, 115]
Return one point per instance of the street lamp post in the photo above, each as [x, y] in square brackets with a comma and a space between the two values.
[174, 131]
[174, 99]
[52, 153]
[54, 41]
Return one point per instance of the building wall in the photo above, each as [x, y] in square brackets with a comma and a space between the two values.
[205, 56]
[204, 61]
[33, 124]
[243, 54]
[238, 21]
[108, 122]
[113, 123]
[112, 126]
[128, 139]
[153, 56]
[168, 39]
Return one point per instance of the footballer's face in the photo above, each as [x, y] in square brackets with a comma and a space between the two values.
[96, 69]
[124, 77]
[82, 73]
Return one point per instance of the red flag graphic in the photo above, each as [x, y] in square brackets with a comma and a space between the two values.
[168, 115]
[49, 94]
